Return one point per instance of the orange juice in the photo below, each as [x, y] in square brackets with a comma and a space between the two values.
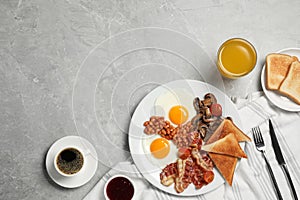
[236, 58]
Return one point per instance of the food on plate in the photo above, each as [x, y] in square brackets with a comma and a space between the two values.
[154, 125]
[216, 109]
[224, 163]
[160, 148]
[185, 134]
[168, 174]
[205, 121]
[178, 114]
[168, 131]
[192, 162]
[227, 126]
[291, 84]
[175, 106]
[282, 75]
[158, 125]
[227, 145]
[196, 169]
[184, 153]
[277, 67]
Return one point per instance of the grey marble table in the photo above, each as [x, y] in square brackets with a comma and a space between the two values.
[81, 67]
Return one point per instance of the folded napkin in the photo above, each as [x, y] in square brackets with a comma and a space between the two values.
[251, 178]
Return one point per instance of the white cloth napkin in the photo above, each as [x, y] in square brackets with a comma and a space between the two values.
[251, 179]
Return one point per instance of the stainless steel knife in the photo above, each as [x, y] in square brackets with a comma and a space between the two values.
[280, 159]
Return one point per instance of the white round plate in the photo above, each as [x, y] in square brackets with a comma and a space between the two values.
[83, 176]
[145, 110]
[276, 98]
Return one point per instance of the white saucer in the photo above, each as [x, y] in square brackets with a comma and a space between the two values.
[83, 176]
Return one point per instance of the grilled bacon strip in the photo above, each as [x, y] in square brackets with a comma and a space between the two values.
[168, 174]
[196, 169]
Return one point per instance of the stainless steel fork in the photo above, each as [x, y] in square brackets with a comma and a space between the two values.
[260, 146]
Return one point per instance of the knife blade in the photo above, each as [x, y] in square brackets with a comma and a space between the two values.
[275, 144]
[280, 159]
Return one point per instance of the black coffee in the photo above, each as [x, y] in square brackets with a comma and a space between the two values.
[69, 161]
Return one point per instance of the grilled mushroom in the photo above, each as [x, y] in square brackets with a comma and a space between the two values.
[195, 120]
[209, 120]
[197, 104]
[211, 98]
[202, 129]
[207, 113]
[204, 117]
[206, 102]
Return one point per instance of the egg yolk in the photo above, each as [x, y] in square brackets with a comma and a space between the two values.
[160, 148]
[178, 114]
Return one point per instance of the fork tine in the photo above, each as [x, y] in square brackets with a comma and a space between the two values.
[260, 138]
[254, 135]
[260, 135]
[257, 135]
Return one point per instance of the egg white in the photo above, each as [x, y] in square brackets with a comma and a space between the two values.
[159, 162]
[172, 98]
[162, 106]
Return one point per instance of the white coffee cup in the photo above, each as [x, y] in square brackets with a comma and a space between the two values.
[84, 154]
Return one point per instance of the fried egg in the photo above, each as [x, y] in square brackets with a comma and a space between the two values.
[178, 114]
[176, 106]
[159, 151]
[160, 148]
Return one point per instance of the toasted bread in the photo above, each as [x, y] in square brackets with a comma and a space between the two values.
[227, 145]
[291, 84]
[226, 127]
[225, 164]
[277, 67]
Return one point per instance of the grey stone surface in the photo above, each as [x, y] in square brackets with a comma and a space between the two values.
[43, 46]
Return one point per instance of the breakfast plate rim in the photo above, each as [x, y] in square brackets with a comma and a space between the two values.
[137, 159]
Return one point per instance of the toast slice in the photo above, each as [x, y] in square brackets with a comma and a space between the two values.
[277, 67]
[225, 164]
[226, 127]
[291, 84]
[227, 145]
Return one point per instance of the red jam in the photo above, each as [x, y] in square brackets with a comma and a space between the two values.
[120, 188]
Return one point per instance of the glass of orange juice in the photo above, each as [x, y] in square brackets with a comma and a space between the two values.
[236, 58]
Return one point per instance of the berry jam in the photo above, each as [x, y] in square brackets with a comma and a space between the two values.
[120, 188]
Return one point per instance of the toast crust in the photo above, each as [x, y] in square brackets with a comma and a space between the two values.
[225, 128]
[290, 87]
[277, 67]
[227, 145]
[224, 163]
